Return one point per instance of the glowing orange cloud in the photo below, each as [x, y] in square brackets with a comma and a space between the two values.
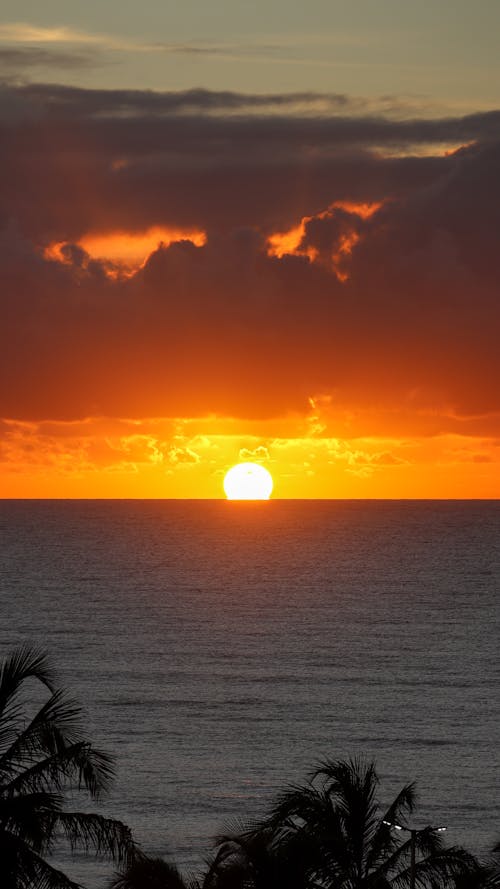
[126, 251]
[282, 243]
[363, 210]
[345, 247]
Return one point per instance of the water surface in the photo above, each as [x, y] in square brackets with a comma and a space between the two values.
[220, 649]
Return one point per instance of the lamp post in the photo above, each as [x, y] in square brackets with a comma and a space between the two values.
[413, 836]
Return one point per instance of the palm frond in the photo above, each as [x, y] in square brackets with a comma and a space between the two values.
[11, 723]
[492, 868]
[343, 774]
[439, 870]
[395, 859]
[304, 803]
[95, 771]
[224, 868]
[24, 868]
[238, 827]
[351, 784]
[29, 818]
[495, 854]
[402, 805]
[94, 833]
[56, 725]
[383, 840]
[148, 873]
[24, 663]
[40, 759]
[80, 762]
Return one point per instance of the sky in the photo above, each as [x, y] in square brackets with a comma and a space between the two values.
[263, 232]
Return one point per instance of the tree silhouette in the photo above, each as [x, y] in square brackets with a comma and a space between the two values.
[488, 876]
[494, 866]
[333, 829]
[257, 858]
[44, 753]
[148, 873]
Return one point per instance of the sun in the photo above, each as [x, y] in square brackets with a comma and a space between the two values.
[248, 481]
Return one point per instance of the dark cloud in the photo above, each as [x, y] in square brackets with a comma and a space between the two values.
[322, 115]
[128, 159]
[20, 58]
[69, 101]
[74, 101]
[227, 328]
[111, 159]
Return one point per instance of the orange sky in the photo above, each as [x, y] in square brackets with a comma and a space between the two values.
[100, 457]
[184, 291]
[323, 451]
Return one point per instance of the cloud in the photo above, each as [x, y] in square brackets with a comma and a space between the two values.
[392, 311]
[183, 455]
[300, 50]
[307, 114]
[254, 455]
[284, 50]
[56, 98]
[21, 58]
[25, 32]
[154, 458]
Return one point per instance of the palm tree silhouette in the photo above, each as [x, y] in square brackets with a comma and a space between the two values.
[43, 754]
[257, 858]
[494, 866]
[333, 829]
[488, 877]
[148, 873]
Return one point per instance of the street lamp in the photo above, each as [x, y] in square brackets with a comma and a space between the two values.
[413, 834]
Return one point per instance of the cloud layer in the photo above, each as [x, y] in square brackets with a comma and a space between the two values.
[395, 310]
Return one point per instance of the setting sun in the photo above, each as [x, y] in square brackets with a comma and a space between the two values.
[248, 481]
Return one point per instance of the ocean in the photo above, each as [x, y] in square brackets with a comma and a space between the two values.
[221, 649]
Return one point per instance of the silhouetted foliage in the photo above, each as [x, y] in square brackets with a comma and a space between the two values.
[329, 833]
[488, 876]
[258, 858]
[494, 866]
[148, 873]
[42, 754]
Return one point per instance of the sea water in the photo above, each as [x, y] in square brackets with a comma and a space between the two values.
[222, 649]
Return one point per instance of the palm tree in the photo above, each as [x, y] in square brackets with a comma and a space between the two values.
[148, 873]
[256, 858]
[43, 754]
[494, 866]
[334, 829]
[488, 876]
